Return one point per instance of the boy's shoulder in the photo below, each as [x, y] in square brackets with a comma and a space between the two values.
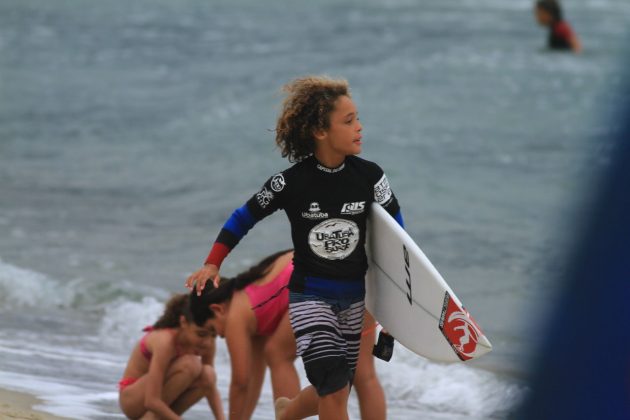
[364, 164]
[306, 166]
[297, 167]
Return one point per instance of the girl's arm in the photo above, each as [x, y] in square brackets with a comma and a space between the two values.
[215, 403]
[163, 353]
[256, 376]
[240, 348]
[213, 396]
[239, 341]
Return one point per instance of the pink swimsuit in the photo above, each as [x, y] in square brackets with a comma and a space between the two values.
[270, 301]
[125, 382]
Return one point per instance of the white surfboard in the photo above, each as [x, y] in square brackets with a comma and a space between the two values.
[410, 299]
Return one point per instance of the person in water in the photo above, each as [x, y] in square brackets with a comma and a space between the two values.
[170, 368]
[327, 196]
[251, 312]
[561, 36]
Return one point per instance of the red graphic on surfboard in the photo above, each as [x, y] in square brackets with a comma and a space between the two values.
[459, 328]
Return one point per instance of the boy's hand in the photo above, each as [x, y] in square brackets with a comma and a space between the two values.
[199, 278]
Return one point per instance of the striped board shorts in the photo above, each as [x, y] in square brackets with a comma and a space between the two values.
[328, 337]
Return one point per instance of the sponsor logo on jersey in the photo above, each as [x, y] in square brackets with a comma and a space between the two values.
[264, 197]
[278, 183]
[314, 212]
[382, 192]
[459, 328]
[331, 170]
[334, 239]
[353, 208]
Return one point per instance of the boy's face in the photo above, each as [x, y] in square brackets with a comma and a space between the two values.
[542, 16]
[343, 137]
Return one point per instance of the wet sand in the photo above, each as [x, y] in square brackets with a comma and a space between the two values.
[19, 406]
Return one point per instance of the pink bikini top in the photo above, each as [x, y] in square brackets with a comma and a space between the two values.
[270, 301]
[143, 345]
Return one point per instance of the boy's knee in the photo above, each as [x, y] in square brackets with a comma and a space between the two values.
[338, 397]
[365, 383]
[364, 374]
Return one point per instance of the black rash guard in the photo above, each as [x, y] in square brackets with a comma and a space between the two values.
[327, 209]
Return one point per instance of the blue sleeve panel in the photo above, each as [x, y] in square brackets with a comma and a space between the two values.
[399, 219]
[240, 222]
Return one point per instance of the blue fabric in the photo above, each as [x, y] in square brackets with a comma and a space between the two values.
[240, 222]
[399, 219]
[329, 288]
[583, 366]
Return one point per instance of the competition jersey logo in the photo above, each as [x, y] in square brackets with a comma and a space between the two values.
[382, 191]
[278, 183]
[459, 328]
[353, 208]
[264, 197]
[314, 212]
[334, 239]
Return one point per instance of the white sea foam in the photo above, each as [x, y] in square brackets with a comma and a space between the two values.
[20, 287]
[447, 388]
[60, 399]
[123, 321]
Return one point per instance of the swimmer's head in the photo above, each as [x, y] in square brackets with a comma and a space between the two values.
[548, 12]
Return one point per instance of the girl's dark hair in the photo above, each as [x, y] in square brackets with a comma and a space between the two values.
[200, 305]
[177, 306]
[306, 109]
[552, 7]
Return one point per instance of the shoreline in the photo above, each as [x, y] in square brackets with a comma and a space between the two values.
[17, 405]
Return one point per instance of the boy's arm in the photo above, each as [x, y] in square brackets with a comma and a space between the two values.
[384, 196]
[260, 205]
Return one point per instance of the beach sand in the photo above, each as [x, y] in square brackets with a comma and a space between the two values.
[19, 406]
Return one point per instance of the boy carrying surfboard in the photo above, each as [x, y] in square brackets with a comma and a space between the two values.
[327, 195]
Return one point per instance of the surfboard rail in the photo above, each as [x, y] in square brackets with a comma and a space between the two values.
[412, 301]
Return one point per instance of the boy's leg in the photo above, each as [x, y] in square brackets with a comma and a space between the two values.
[305, 404]
[328, 339]
[334, 406]
[369, 390]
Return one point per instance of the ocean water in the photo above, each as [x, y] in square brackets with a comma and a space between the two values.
[129, 131]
